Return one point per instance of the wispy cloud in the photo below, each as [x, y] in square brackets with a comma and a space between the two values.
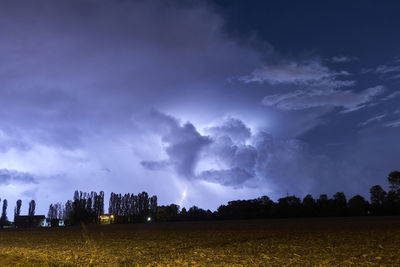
[373, 119]
[393, 124]
[391, 96]
[342, 59]
[383, 69]
[310, 98]
[390, 70]
[307, 73]
[390, 119]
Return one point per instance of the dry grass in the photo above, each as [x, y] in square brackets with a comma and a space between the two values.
[301, 242]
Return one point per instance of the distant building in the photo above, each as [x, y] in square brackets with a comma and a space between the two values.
[107, 218]
[45, 223]
[25, 221]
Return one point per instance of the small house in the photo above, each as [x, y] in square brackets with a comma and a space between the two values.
[26, 221]
[45, 223]
[107, 218]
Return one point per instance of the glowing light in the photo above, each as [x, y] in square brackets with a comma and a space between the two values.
[149, 219]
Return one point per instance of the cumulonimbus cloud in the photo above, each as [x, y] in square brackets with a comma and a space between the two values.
[248, 161]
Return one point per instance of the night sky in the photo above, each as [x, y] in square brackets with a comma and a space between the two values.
[198, 103]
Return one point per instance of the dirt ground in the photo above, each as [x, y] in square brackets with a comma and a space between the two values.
[364, 241]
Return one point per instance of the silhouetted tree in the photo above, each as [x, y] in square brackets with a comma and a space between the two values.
[261, 207]
[167, 213]
[98, 204]
[153, 206]
[358, 206]
[55, 212]
[339, 204]
[3, 218]
[196, 214]
[32, 207]
[394, 181]
[378, 200]
[51, 214]
[323, 205]
[309, 206]
[266, 206]
[183, 212]
[289, 206]
[85, 207]
[111, 204]
[393, 196]
[17, 210]
[68, 211]
[143, 204]
[60, 211]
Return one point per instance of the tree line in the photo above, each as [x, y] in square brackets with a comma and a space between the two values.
[87, 208]
[381, 203]
[132, 208]
[129, 208]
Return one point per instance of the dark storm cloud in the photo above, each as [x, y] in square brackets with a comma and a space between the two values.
[186, 147]
[81, 64]
[13, 176]
[183, 144]
[231, 162]
[74, 73]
